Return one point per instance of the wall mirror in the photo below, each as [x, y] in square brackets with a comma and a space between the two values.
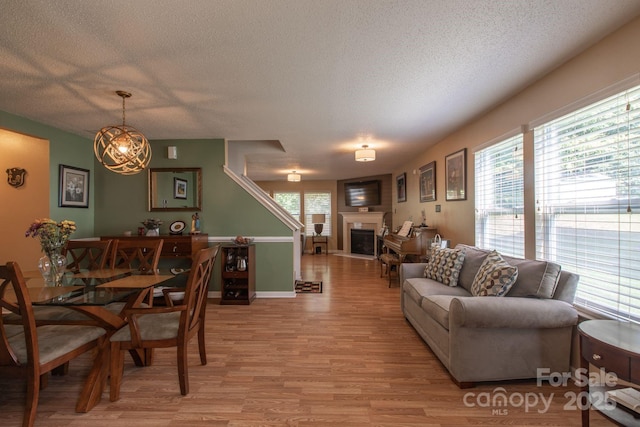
[175, 189]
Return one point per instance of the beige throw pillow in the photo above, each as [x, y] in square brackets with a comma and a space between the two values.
[444, 265]
[495, 277]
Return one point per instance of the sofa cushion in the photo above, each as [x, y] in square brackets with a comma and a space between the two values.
[495, 277]
[473, 258]
[444, 265]
[537, 279]
[417, 288]
[437, 306]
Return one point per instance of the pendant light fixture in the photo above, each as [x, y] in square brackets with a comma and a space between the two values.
[121, 148]
[293, 177]
[365, 154]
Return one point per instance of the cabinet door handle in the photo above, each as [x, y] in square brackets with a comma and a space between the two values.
[175, 248]
[596, 356]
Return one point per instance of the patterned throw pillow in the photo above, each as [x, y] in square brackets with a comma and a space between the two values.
[444, 265]
[494, 277]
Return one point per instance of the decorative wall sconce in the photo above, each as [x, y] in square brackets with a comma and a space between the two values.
[172, 152]
[16, 177]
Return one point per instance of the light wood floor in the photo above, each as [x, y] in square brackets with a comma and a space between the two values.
[345, 357]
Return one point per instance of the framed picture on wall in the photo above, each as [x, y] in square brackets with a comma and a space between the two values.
[456, 175]
[428, 182]
[179, 188]
[74, 187]
[401, 182]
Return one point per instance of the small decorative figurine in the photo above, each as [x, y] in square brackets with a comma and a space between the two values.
[195, 223]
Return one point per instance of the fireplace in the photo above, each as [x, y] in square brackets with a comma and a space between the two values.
[365, 221]
[362, 241]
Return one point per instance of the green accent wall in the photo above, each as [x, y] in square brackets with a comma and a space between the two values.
[120, 203]
[67, 149]
[227, 209]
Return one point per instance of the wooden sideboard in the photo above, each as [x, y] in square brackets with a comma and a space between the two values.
[175, 245]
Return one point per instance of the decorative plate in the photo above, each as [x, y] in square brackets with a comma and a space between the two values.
[176, 227]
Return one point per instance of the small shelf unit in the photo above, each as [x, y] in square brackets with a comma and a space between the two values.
[238, 272]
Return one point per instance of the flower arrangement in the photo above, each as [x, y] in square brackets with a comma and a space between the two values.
[53, 235]
[152, 223]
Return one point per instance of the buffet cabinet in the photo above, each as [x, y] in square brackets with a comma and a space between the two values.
[238, 274]
[174, 245]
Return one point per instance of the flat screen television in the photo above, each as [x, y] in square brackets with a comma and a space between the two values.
[364, 193]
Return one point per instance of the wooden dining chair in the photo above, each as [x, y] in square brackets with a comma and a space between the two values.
[87, 254]
[31, 352]
[169, 326]
[142, 254]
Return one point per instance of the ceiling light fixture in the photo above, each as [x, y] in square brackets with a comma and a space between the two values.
[122, 149]
[365, 154]
[294, 177]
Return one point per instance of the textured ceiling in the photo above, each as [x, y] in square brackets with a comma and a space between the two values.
[314, 75]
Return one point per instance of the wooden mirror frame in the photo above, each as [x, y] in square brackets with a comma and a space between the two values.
[154, 201]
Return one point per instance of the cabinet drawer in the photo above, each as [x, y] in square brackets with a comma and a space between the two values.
[602, 356]
[170, 248]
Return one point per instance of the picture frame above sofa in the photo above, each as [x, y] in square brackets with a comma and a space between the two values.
[401, 183]
[456, 176]
[428, 182]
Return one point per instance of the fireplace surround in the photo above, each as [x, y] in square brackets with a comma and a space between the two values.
[362, 221]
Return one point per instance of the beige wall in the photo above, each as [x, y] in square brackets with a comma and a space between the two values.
[610, 61]
[22, 205]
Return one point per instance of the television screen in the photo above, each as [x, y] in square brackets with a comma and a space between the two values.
[366, 193]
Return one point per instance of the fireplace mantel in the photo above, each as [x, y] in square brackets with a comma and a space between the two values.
[362, 220]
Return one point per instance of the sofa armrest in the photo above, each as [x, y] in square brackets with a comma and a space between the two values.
[511, 312]
[410, 270]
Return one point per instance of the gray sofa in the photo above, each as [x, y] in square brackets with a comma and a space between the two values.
[491, 338]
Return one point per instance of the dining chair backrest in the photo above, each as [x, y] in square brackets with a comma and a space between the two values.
[142, 254]
[197, 289]
[28, 352]
[87, 254]
[14, 297]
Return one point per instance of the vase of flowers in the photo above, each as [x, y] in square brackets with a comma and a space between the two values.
[53, 237]
[153, 226]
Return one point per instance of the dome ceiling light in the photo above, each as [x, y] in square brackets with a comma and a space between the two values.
[294, 177]
[365, 154]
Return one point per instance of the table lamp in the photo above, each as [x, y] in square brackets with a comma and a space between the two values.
[318, 221]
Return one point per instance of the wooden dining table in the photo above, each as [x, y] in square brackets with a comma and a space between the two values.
[91, 292]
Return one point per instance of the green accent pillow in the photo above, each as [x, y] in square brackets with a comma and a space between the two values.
[495, 277]
[444, 265]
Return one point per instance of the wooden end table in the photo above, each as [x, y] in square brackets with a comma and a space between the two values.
[615, 347]
[318, 241]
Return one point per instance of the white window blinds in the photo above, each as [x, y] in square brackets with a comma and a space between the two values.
[499, 197]
[587, 190]
[317, 203]
[290, 201]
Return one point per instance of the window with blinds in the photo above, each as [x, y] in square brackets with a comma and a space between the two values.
[499, 197]
[587, 190]
[317, 203]
[290, 201]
